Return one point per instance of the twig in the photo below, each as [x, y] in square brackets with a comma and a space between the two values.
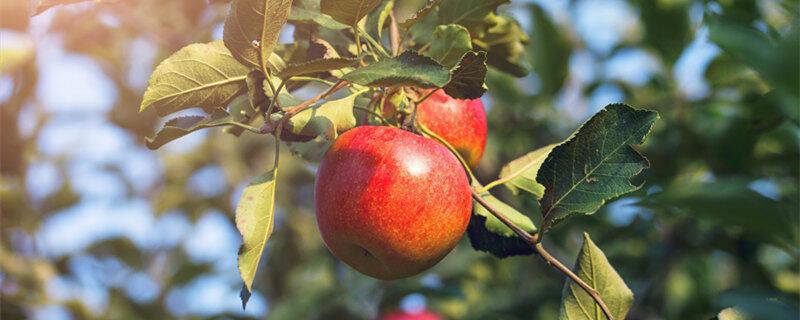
[271, 127]
[394, 34]
[533, 240]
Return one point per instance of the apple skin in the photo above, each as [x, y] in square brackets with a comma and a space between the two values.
[404, 315]
[390, 203]
[460, 122]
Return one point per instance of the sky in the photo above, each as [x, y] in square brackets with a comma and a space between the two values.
[78, 95]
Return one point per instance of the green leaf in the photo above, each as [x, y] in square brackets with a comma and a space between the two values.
[593, 268]
[309, 16]
[504, 41]
[349, 12]
[315, 66]
[489, 234]
[731, 202]
[408, 69]
[254, 21]
[467, 81]
[550, 51]
[420, 14]
[199, 75]
[753, 48]
[181, 126]
[312, 150]
[449, 44]
[732, 314]
[467, 12]
[595, 164]
[520, 174]
[254, 220]
[328, 119]
[377, 19]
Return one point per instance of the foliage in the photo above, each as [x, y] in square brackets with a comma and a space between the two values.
[710, 229]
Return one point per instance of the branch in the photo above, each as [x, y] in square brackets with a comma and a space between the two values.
[533, 240]
[394, 34]
[270, 127]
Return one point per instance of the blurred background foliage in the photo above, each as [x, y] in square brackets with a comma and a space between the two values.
[95, 226]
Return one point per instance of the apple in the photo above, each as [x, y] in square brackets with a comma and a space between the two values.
[411, 315]
[390, 203]
[460, 122]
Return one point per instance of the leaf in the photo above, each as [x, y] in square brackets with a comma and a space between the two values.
[408, 69]
[258, 21]
[520, 174]
[550, 51]
[377, 19]
[467, 80]
[732, 314]
[731, 202]
[449, 44]
[181, 126]
[420, 14]
[311, 16]
[489, 234]
[349, 12]
[315, 66]
[593, 268]
[328, 119]
[199, 75]
[504, 42]
[254, 220]
[753, 48]
[595, 164]
[467, 12]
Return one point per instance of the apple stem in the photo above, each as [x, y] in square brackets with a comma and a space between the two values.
[535, 242]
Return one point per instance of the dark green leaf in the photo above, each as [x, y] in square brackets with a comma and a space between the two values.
[181, 126]
[409, 68]
[520, 174]
[550, 51]
[487, 233]
[730, 202]
[252, 29]
[315, 66]
[753, 48]
[467, 81]
[349, 12]
[449, 44]
[254, 220]
[199, 75]
[593, 268]
[595, 164]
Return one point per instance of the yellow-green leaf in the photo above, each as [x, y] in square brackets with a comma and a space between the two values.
[593, 268]
[349, 12]
[252, 29]
[520, 174]
[200, 75]
[254, 220]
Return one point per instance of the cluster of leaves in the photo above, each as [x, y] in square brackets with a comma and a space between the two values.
[572, 178]
[701, 228]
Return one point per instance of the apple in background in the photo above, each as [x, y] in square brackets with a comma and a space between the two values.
[407, 315]
[390, 203]
[460, 122]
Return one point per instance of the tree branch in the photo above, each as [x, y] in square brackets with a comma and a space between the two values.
[533, 240]
[270, 127]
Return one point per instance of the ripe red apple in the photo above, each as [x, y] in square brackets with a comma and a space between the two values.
[460, 122]
[406, 315]
[390, 203]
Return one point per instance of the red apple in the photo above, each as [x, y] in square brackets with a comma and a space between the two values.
[390, 203]
[406, 315]
[460, 122]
